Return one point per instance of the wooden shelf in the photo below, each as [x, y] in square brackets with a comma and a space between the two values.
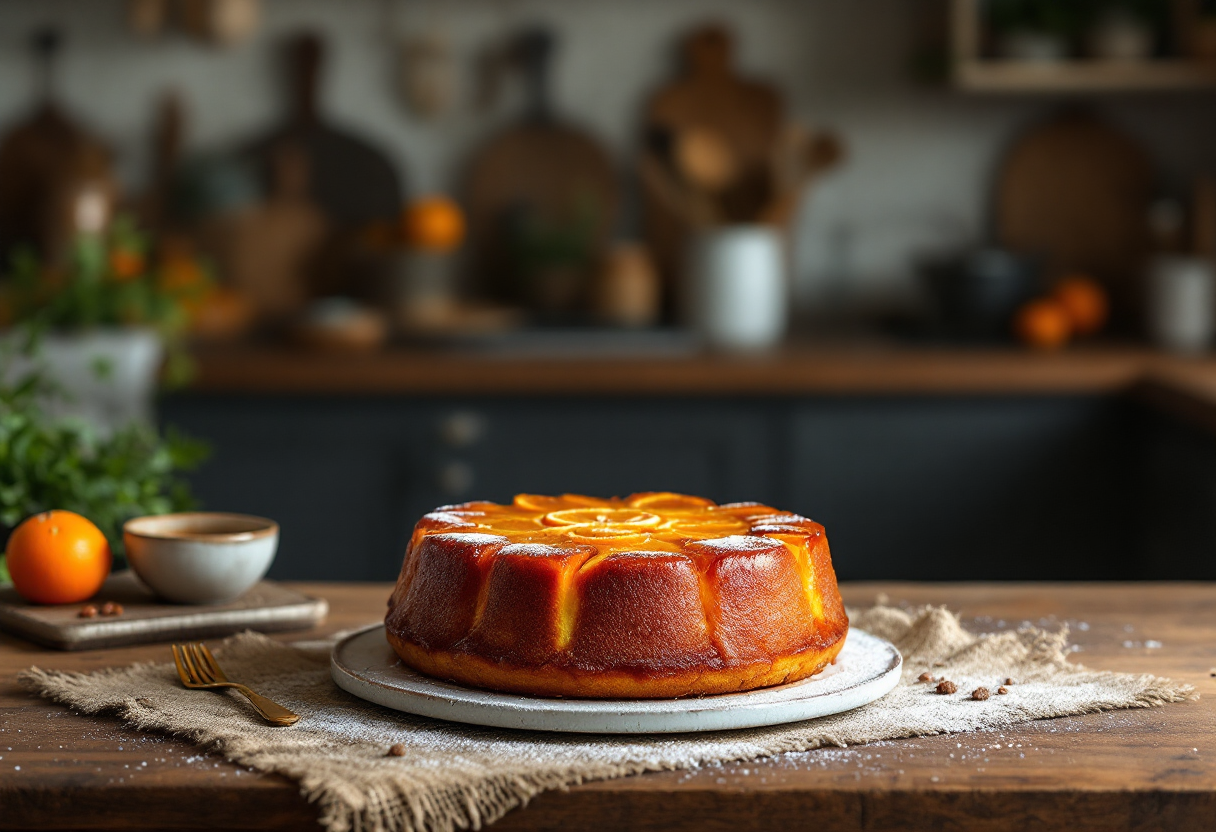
[878, 370]
[1083, 76]
[974, 73]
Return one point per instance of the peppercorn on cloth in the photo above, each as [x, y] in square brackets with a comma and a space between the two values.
[454, 776]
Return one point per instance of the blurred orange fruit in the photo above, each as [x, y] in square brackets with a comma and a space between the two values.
[1043, 323]
[126, 264]
[182, 273]
[57, 557]
[1085, 301]
[433, 223]
[220, 313]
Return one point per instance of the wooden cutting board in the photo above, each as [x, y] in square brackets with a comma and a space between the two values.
[1075, 191]
[268, 607]
[745, 114]
[541, 168]
[350, 179]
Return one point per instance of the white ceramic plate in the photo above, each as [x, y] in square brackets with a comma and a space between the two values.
[867, 668]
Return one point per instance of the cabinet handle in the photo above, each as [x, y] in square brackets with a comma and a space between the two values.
[456, 479]
[463, 428]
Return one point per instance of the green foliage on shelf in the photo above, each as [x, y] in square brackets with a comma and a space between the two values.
[107, 279]
[1056, 17]
[1067, 18]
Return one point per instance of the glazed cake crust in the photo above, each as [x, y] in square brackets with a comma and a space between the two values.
[652, 596]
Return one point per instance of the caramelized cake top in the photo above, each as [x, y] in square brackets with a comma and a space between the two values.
[652, 522]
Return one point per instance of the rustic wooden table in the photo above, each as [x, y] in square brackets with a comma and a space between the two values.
[1148, 769]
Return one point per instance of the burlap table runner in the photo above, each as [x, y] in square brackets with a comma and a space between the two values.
[454, 776]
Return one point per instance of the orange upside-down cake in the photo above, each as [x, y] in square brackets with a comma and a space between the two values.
[655, 595]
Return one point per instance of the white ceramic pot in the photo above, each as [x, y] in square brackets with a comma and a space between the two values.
[1033, 47]
[109, 375]
[1119, 36]
[200, 557]
[1182, 303]
[736, 293]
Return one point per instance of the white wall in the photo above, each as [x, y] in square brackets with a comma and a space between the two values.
[920, 160]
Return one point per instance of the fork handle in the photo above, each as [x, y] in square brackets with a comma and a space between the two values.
[272, 711]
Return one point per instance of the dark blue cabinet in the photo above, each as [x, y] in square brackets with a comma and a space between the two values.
[974, 488]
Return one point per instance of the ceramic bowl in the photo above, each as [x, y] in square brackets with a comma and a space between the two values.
[200, 557]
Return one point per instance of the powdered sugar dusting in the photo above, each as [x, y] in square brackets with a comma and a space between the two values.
[735, 543]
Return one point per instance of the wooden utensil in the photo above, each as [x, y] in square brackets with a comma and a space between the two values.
[705, 159]
[540, 168]
[48, 164]
[221, 22]
[799, 157]
[268, 251]
[168, 134]
[1075, 191]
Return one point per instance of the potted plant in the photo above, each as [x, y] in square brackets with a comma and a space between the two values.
[103, 315]
[1034, 30]
[48, 463]
[1124, 30]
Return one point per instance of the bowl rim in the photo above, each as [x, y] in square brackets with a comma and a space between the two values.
[265, 527]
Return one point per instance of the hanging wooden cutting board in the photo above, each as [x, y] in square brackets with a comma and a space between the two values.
[1075, 191]
[349, 179]
[542, 166]
[747, 116]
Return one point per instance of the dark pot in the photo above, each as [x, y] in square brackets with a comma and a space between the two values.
[975, 295]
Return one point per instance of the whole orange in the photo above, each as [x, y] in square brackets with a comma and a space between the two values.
[1043, 323]
[57, 557]
[434, 223]
[1085, 301]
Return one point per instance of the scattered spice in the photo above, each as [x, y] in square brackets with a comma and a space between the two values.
[90, 611]
[928, 677]
[979, 694]
[111, 608]
[396, 750]
[946, 686]
[1002, 690]
[1010, 681]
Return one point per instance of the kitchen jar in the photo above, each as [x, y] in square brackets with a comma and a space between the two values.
[1181, 302]
[736, 293]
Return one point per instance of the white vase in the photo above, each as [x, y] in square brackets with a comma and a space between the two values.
[1182, 303]
[1119, 36]
[735, 290]
[1033, 47]
[109, 376]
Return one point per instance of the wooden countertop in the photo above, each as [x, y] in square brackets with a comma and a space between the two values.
[1147, 769]
[862, 369]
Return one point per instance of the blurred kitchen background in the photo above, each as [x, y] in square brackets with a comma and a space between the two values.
[937, 274]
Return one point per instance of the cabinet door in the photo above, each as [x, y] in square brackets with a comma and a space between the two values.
[608, 447]
[347, 479]
[332, 473]
[970, 488]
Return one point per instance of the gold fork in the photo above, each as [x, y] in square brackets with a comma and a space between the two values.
[199, 670]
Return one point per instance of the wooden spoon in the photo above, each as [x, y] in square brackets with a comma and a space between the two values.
[800, 156]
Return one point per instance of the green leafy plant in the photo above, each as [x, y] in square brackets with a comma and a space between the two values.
[47, 464]
[1067, 18]
[107, 280]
